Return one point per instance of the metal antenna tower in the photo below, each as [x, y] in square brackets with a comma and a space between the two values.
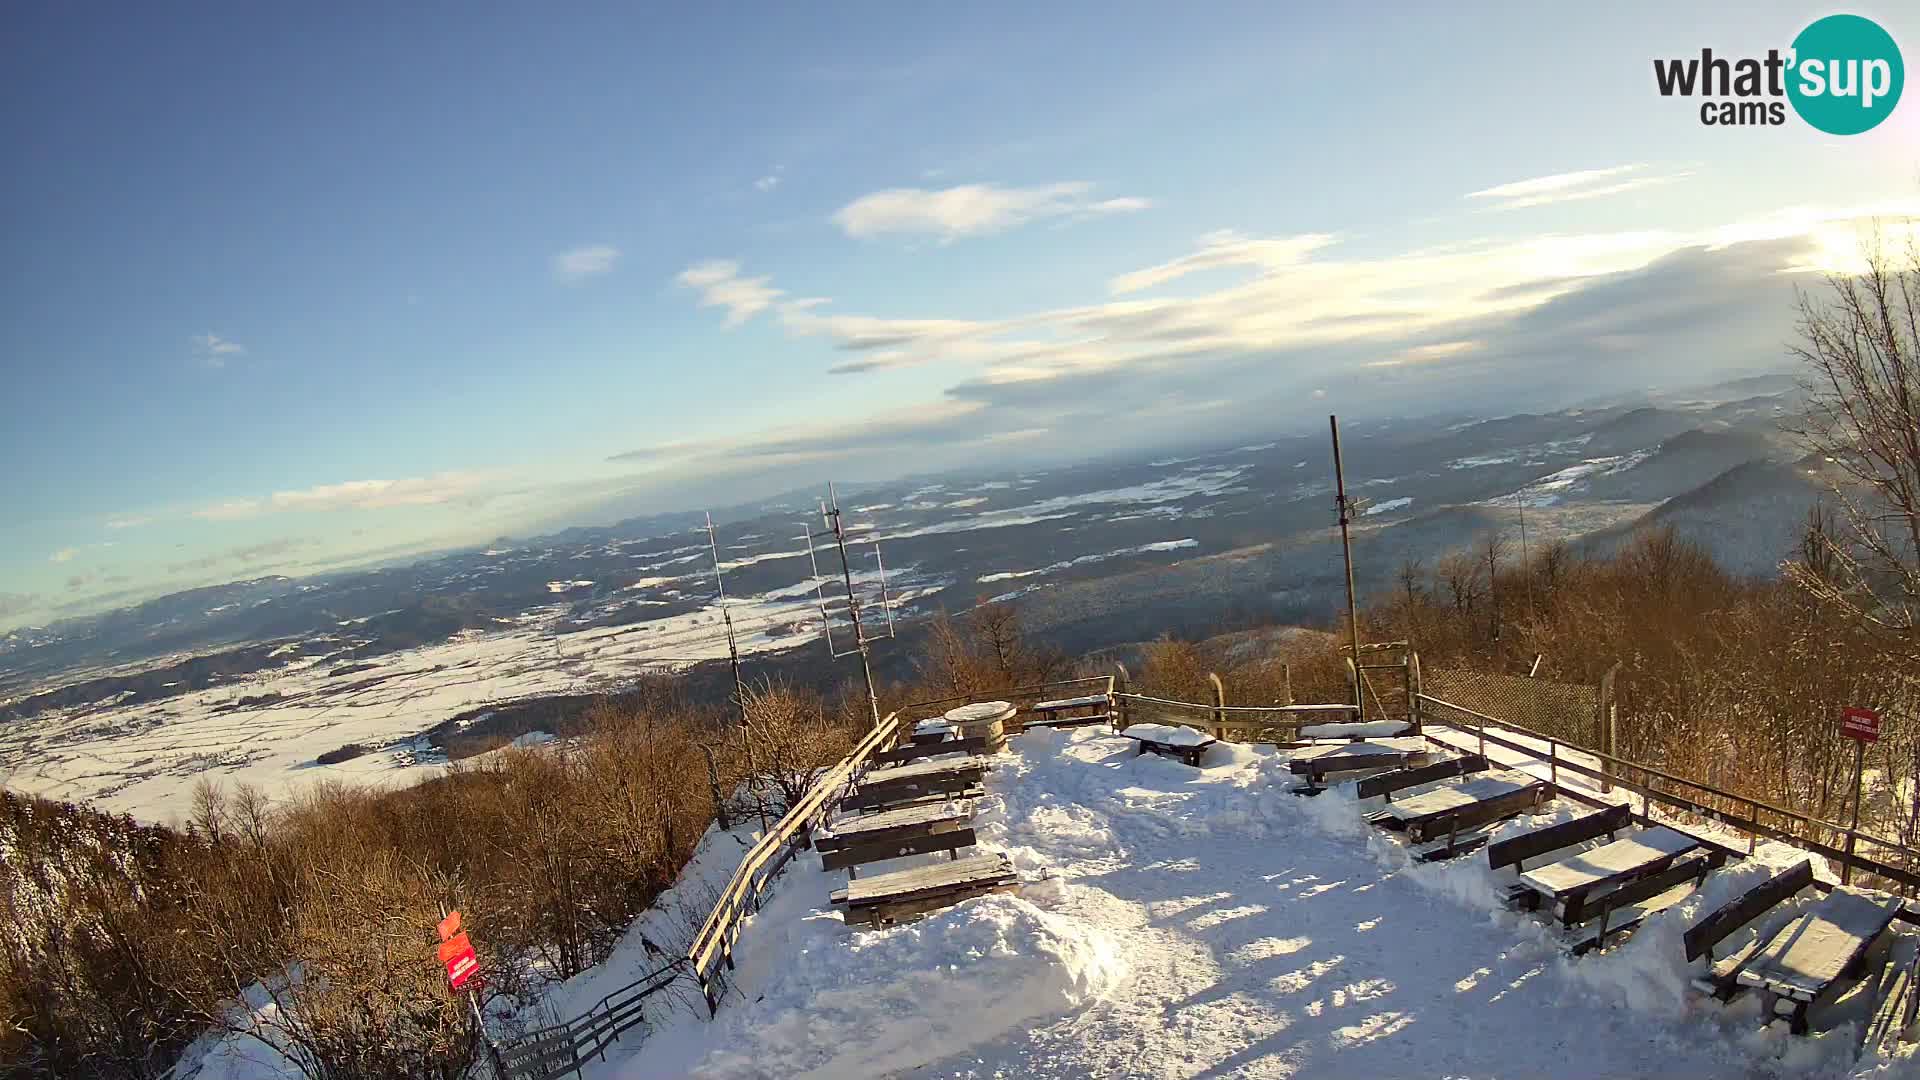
[726, 616]
[835, 527]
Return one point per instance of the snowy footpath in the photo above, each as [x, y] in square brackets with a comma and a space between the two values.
[1207, 923]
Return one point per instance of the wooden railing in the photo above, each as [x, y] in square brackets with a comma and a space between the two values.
[1221, 721]
[712, 947]
[1755, 817]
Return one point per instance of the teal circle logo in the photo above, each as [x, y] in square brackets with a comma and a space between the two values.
[1846, 74]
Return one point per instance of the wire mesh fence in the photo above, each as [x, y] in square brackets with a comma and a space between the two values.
[1567, 711]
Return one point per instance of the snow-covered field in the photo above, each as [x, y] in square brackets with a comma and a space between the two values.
[1202, 924]
[145, 759]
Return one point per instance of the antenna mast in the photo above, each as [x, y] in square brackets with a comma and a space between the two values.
[1346, 550]
[726, 616]
[830, 516]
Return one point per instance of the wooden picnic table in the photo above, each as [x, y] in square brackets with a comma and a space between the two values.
[1050, 713]
[1806, 960]
[886, 897]
[889, 824]
[1571, 879]
[1486, 797]
[1315, 762]
[1170, 740]
[932, 731]
[916, 780]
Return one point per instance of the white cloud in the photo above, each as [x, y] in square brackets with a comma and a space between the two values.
[720, 285]
[353, 495]
[130, 521]
[231, 510]
[585, 262]
[63, 555]
[214, 350]
[1573, 186]
[972, 209]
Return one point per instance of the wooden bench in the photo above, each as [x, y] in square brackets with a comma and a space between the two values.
[892, 834]
[932, 731]
[1805, 964]
[1625, 908]
[888, 898]
[1721, 979]
[1170, 740]
[1453, 808]
[1512, 852]
[1568, 883]
[1070, 712]
[900, 755]
[1386, 784]
[1316, 763]
[938, 777]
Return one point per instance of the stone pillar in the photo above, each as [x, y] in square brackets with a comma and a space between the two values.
[986, 719]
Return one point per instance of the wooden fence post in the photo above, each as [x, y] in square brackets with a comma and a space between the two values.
[1353, 686]
[1286, 686]
[1219, 706]
[1122, 684]
[1609, 727]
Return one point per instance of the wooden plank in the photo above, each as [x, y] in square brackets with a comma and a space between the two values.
[1627, 918]
[1485, 811]
[975, 870]
[1401, 779]
[1691, 867]
[1807, 958]
[1748, 906]
[854, 804]
[932, 767]
[901, 755]
[893, 824]
[1624, 859]
[896, 847]
[1071, 721]
[1519, 849]
[1071, 703]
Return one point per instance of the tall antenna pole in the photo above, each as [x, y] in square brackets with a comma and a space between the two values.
[1526, 562]
[831, 511]
[726, 615]
[1346, 550]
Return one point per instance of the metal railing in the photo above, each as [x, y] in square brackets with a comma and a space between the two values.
[559, 1049]
[1712, 803]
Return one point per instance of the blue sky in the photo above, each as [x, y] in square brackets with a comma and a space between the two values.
[291, 288]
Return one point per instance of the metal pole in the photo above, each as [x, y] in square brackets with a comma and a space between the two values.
[1346, 550]
[1853, 825]
[853, 602]
[726, 616]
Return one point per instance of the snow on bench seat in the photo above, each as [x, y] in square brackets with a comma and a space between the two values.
[1372, 729]
[1449, 798]
[1812, 952]
[1609, 863]
[1168, 735]
[884, 898]
[932, 817]
[1171, 740]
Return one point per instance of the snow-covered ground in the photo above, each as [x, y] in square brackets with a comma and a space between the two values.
[1207, 923]
[144, 759]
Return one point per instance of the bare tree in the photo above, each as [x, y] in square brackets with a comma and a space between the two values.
[1860, 341]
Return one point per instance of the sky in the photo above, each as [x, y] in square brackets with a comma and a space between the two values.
[286, 288]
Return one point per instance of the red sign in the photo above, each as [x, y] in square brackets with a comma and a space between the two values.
[449, 926]
[1862, 724]
[457, 953]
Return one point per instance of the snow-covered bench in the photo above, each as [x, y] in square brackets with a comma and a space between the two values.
[1370, 729]
[1722, 978]
[1623, 909]
[1170, 740]
[888, 898]
[893, 834]
[1469, 804]
[1316, 763]
[1804, 964]
[917, 781]
[1567, 884]
[1071, 712]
